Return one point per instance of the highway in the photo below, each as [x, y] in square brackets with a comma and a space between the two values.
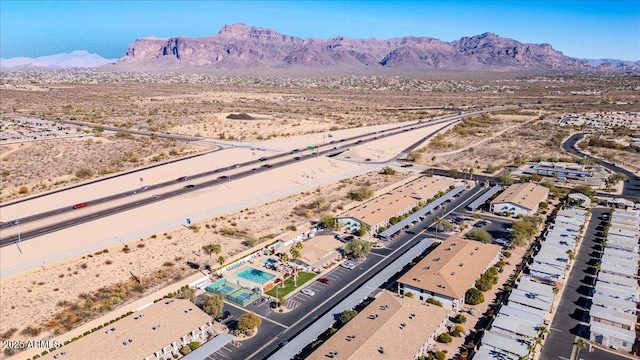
[330, 149]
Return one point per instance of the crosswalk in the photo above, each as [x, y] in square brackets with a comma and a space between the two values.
[291, 304]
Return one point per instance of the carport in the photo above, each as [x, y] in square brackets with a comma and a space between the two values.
[422, 212]
[210, 347]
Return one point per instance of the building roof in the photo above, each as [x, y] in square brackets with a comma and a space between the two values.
[620, 304]
[511, 344]
[319, 250]
[380, 324]
[520, 314]
[508, 324]
[427, 187]
[452, 267]
[618, 280]
[536, 303]
[387, 205]
[612, 315]
[487, 353]
[150, 329]
[381, 208]
[526, 195]
[613, 332]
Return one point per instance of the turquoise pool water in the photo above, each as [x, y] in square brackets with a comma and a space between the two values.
[255, 275]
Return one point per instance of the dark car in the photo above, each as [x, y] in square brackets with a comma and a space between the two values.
[264, 158]
[297, 158]
[235, 166]
[407, 165]
[182, 178]
[190, 186]
[358, 142]
[267, 166]
[349, 238]
[224, 316]
[294, 151]
[223, 177]
[324, 280]
[219, 170]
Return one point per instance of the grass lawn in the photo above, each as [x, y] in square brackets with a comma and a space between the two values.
[303, 277]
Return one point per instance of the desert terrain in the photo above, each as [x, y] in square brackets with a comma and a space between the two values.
[77, 281]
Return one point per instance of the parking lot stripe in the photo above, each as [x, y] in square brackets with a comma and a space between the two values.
[262, 317]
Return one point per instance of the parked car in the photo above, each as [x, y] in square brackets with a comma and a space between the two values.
[308, 292]
[324, 280]
[348, 265]
[224, 316]
[349, 238]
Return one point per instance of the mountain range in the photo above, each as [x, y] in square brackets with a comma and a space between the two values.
[240, 46]
[75, 59]
[243, 47]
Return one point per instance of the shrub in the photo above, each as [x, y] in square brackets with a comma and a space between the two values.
[347, 315]
[474, 296]
[433, 301]
[194, 345]
[444, 338]
[249, 321]
[460, 319]
[507, 254]
[440, 355]
[459, 328]
[409, 294]
[185, 350]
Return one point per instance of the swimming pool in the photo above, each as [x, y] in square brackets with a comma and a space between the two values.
[255, 275]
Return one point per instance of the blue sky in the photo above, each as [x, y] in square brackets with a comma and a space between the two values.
[579, 28]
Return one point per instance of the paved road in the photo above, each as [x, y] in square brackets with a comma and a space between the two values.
[572, 314]
[281, 327]
[631, 189]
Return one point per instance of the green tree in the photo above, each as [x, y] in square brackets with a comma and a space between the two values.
[363, 193]
[328, 220]
[444, 338]
[580, 344]
[358, 248]
[212, 249]
[543, 205]
[249, 321]
[221, 260]
[523, 230]
[474, 296]
[460, 319]
[347, 315]
[186, 293]
[614, 178]
[213, 304]
[362, 230]
[483, 284]
[388, 171]
[504, 180]
[479, 234]
[584, 189]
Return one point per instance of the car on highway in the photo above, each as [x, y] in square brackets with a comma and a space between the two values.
[182, 178]
[155, 196]
[264, 158]
[308, 292]
[223, 177]
[190, 186]
[267, 166]
[80, 205]
[297, 158]
[224, 316]
[144, 188]
[219, 170]
[294, 151]
[324, 280]
[358, 142]
[235, 166]
[407, 165]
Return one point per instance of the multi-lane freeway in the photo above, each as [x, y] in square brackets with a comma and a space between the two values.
[263, 164]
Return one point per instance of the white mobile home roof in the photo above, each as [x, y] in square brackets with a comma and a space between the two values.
[514, 311]
[618, 230]
[618, 268]
[618, 280]
[546, 270]
[617, 291]
[511, 344]
[614, 316]
[527, 284]
[621, 254]
[487, 353]
[510, 325]
[613, 332]
[626, 306]
[536, 312]
[533, 302]
[573, 212]
[553, 256]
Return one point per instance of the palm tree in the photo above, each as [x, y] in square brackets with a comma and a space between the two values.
[571, 255]
[437, 221]
[221, 260]
[295, 255]
[543, 331]
[580, 344]
[212, 249]
[555, 290]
